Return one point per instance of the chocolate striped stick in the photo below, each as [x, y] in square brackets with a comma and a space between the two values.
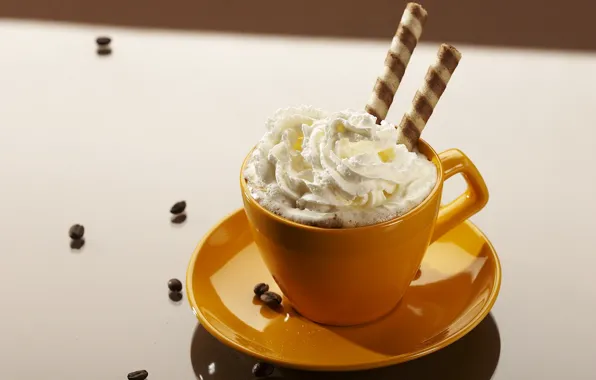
[427, 96]
[398, 56]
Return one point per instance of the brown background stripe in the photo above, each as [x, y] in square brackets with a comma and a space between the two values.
[409, 130]
[525, 23]
[406, 36]
[396, 65]
[434, 82]
[448, 59]
[422, 106]
[383, 92]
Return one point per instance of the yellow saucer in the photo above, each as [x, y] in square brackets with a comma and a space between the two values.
[458, 284]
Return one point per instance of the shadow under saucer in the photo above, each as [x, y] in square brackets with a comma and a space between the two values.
[473, 357]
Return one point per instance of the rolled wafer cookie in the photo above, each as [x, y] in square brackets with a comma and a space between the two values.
[398, 56]
[427, 97]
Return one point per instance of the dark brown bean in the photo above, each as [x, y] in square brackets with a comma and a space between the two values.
[138, 375]
[261, 288]
[271, 299]
[178, 207]
[103, 40]
[76, 232]
[175, 285]
[262, 369]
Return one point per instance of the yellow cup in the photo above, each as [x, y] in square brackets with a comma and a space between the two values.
[352, 276]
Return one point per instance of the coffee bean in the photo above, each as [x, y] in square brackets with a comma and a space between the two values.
[175, 285]
[179, 219]
[138, 375]
[102, 41]
[104, 51]
[262, 369]
[261, 288]
[178, 207]
[76, 232]
[271, 299]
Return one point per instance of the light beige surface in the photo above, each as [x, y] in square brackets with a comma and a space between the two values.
[113, 142]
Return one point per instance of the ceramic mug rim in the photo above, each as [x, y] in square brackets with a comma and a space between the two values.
[387, 223]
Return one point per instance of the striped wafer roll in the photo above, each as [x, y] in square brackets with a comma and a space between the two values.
[427, 96]
[398, 56]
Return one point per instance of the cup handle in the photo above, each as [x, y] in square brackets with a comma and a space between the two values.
[467, 204]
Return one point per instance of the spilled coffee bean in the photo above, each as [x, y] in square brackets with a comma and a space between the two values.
[138, 375]
[261, 288]
[76, 232]
[262, 369]
[271, 299]
[175, 285]
[178, 207]
[103, 40]
[179, 219]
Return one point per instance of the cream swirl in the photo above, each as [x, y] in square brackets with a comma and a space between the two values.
[336, 170]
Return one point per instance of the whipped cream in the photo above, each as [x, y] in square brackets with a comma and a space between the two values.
[336, 169]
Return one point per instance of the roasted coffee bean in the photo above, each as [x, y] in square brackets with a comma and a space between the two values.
[178, 207]
[138, 375]
[179, 219]
[271, 299]
[104, 51]
[261, 288]
[102, 41]
[76, 232]
[175, 285]
[262, 369]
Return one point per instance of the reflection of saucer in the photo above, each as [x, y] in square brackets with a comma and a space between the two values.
[458, 285]
[474, 357]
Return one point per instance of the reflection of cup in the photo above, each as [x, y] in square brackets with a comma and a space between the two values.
[351, 276]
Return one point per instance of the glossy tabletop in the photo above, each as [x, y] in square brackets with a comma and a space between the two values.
[112, 142]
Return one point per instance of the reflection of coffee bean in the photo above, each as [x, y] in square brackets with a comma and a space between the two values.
[418, 274]
[138, 375]
[271, 299]
[76, 232]
[175, 296]
[178, 219]
[175, 285]
[104, 51]
[261, 288]
[262, 369]
[178, 207]
[77, 244]
[102, 41]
